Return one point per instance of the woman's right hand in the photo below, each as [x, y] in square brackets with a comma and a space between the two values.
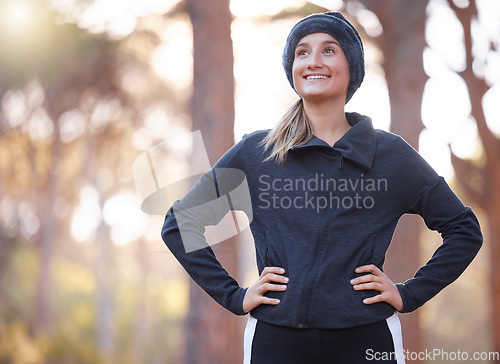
[254, 295]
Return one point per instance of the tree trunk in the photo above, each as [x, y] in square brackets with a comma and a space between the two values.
[214, 335]
[488, 198]
[402, 44]
[104, 278]
[5, 244]
[142, 323]
[5, 247]
[494, 243]
[45, 239]
[481, 184]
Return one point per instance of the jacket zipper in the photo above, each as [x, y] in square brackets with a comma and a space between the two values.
[305, 298]
[306, 295]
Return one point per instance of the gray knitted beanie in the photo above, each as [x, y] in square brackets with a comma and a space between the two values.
[337, 26]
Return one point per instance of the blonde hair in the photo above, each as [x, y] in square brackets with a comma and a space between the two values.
[293, 129]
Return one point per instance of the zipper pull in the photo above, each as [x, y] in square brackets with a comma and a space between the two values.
[341, 162]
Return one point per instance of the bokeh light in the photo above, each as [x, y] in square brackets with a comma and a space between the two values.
[17, 15]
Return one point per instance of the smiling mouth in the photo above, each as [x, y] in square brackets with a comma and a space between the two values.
[316, 77]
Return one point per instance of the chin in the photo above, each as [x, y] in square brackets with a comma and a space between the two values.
[321, 96]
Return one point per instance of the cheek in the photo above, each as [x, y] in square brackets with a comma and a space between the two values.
[345, 68]
[341, 68]
[296, 70]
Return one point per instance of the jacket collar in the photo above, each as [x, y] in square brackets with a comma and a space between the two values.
[357, 144]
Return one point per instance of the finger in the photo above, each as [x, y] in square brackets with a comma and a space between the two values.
[271, 277]
[371, 268]
[269, 301]
[374, 299]
[271, 287]
[277, 270]
[366, 278]
[372, 285]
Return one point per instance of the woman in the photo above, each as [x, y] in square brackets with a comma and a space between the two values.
[326, 192]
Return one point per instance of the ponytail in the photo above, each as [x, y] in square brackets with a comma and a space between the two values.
[293, 129]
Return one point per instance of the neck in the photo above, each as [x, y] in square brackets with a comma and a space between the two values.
[327, 119]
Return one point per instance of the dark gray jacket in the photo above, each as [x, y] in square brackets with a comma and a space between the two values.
[326, 211]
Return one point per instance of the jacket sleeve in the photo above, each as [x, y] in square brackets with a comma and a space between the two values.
[184, 227]
[442, 211]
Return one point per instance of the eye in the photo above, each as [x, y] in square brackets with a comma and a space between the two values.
[301, 52]
[329, 50]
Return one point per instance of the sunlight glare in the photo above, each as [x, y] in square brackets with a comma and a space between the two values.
[257, 48]
[41, 126]
[372, 99]
[332, 5]
[434, 64]
[8, 217]
[87, 216]
[466, 144]
[29, 222]
[127, 222]
[370, 22]
[15, 108]
[445, 104]
[173, 60]
[491, 109]
[119, 18]
[18, 15]
[255, 8]
[72, 124]
[436, 152]
[445, 34]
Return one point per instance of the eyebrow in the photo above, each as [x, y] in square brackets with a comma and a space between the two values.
[324, 42]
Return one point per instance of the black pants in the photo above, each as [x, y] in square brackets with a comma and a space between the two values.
[374, 343]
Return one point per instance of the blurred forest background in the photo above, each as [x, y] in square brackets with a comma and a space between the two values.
[86, 86]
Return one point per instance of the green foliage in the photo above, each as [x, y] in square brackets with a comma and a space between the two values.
[18, 283]
[18, 347]
[147, 314]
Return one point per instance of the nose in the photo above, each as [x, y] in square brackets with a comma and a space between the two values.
[315, 60]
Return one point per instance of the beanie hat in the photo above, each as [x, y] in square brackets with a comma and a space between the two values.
[337, 26]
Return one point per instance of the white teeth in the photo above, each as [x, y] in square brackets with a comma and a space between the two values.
[316, 77]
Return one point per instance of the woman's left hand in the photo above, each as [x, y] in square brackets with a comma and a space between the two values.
[377, 281]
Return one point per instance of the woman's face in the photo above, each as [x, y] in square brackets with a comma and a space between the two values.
[320, 70]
